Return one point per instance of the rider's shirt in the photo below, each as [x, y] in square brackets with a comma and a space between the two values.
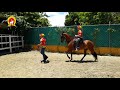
[80, 33]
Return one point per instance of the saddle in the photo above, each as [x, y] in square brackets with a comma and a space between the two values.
[77, 42]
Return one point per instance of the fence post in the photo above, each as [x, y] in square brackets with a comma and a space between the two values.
[109, 39]
[6, 40]
[10, 43]
[18, 42]
[22, 42]
[1, 41]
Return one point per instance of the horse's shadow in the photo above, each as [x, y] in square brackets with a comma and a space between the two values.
[78, 61]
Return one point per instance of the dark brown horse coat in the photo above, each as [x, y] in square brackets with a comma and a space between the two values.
[86, 45]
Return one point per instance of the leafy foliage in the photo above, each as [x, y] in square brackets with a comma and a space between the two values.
[24, 20]
[92, 18]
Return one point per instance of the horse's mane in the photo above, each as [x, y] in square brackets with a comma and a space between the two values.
[69, 36]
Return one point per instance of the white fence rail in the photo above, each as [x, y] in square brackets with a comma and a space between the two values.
[10, 42]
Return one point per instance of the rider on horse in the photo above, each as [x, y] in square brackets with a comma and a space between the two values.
[78, 38]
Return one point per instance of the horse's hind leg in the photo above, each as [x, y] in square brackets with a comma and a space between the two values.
[95, 56]
[84, 55]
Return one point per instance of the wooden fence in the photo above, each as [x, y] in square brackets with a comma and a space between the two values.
[10, 42]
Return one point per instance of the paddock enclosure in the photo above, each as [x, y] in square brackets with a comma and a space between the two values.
[106, 37]
[28, 65]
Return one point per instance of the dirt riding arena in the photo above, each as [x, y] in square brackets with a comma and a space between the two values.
[28, 65]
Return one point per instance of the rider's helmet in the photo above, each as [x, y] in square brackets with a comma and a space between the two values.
[42, 35]
[79, 27]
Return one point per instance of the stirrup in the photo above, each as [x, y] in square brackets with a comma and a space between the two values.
[76, 49]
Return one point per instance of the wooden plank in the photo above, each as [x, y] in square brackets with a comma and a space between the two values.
[4, 42]
[4, 48]
[11, 35]
[16, 46]
[4, 36]
[15, 41]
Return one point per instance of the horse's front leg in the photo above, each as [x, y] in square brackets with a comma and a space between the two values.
[69, 51]
[69, 56]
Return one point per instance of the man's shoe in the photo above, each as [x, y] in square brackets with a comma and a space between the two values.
[47, 61]
[42, 61]
[46, 57]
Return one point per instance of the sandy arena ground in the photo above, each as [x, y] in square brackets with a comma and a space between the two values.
[28, 65]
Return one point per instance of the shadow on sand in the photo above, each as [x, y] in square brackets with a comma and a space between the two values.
[78, 61]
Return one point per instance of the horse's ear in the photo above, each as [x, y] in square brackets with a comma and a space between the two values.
[63, 32]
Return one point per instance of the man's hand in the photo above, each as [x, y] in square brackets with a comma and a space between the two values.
[38, 47]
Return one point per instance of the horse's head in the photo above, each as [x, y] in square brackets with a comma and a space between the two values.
[62, 37]
[65, 36]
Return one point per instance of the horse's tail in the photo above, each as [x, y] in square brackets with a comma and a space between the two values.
[90, 45]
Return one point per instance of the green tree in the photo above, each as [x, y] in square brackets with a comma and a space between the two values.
[71, 19]
[92, 18]
[26, 20]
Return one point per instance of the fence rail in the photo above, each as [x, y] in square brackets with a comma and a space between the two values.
[10, 42]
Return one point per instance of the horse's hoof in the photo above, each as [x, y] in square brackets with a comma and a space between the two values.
[70, 60]
[96, 60]
[81, 61]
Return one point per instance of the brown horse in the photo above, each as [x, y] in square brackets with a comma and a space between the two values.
[86, 45]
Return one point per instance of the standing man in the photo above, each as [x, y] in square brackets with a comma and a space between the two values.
[43, 46]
